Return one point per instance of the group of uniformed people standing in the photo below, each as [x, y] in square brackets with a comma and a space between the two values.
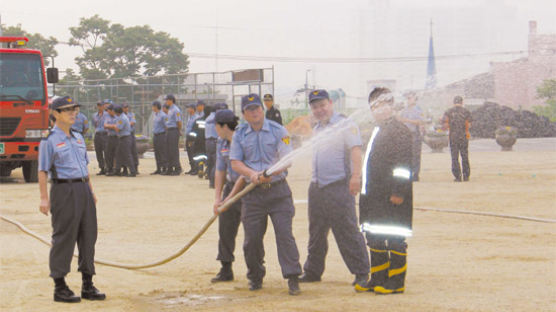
[244, 154]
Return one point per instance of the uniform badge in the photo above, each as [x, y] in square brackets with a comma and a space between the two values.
[60, 145]
[286, 140]
[120, 122]
[178, 114]
[251, 99]
[79, 141]
[315, 92]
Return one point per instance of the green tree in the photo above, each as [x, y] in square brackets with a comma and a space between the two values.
[47, 46]
[114, 51]
[547, 91]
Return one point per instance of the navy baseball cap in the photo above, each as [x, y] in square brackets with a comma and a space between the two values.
[268, 97]
[224, 116]
[170, 97]
[63, 102]
[190, 105]
[200, 102]
[220, 106]
[110, 107]
[125, 105]
[118, 109]
[316, 95]
[250, 100]
[107, 101]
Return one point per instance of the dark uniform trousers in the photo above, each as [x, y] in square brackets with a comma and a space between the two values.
[172, 141]
[74, 219]
[100, 148]
[190, 153]
[417, 144]
[257, 205]
[134, 150]
[110, 154]
[228, 225]
[210, 146]
[124, 157]
[333, 207]
[459, 146]
[159, 142]
[388, 260]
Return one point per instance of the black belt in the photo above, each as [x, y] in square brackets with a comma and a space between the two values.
[161, 133]
[172, 128]
[268, 186]
[58, 181]
[101, 132]
[211, 139]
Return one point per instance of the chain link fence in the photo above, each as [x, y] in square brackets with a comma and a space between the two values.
[140, 92]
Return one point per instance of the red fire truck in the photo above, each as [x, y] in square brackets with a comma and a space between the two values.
[23, 106]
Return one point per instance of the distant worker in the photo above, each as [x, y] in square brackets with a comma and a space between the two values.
[412, 117]
[386, 201]
[159, 138]
[256, 146]
[458, 121]
[112, 138]
[63, 158]
[200, 109]
[192, 116]
[123, 152]
[173, 132]
[336, 179]
[227, 183]
[100, 137]
[132, 121]
[210, 144]
[272, 113]
[81, 123]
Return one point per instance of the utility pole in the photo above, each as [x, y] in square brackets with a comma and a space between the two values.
[307, 87]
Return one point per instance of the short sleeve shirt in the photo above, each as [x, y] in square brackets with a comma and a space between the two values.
[159, 122]
[223, 162]
[174, 116]
[124, 126]
[64, 157]
[98, 121]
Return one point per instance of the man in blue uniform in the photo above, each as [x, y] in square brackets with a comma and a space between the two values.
[159, 138]
[132, 121]
[256, 146]
[210, 144]
[81, 123]
[100, 137]
[225, 179]
[336, 179]
[173, 132]
[386, 201]
[112, 138]
[192, 116]
[123, 152]
[63, 157]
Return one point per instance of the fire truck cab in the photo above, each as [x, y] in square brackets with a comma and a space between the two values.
[23, 106]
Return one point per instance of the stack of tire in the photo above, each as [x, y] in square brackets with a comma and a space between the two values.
[490, 116]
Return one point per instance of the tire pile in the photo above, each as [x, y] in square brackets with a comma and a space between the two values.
[490, 116]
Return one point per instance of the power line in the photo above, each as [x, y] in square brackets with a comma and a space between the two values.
[356, 60]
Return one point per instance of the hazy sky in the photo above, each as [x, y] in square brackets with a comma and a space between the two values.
[323, 29]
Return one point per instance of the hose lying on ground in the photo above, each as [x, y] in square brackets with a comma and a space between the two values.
[180, 252]
[228, 203]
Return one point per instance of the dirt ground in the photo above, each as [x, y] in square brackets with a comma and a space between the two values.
[456, 262]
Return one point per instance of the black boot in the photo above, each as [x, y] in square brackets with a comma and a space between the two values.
[88, 290]
[62, 293]
[293, 286]
[225, 275]
[380, 264]
[396, 272]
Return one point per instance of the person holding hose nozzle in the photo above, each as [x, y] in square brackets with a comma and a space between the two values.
[72, 202]
[227, 184]
[386, 201]
[256, 146]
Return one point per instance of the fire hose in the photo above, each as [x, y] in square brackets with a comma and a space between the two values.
[225, 206]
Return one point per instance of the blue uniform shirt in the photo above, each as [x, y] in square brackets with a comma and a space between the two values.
[223, 162]
[79, 124]
[190, 122]
[123, 124]
[412, 113]
[259, 150]
[111, 121]
[159, 122]
[332, 154]
[174, 116]
[210, 127]
[68, 155]
[98, 121]
[131, 118]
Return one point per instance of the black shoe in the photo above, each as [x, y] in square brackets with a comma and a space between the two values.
[113, 174]
[156, 172]
[225, 275]
[457, 180]
[102, 172]
[361, 283]
[465, 179]
[194, 172]
[131, 175]
[64, 294]
[90, 292]
[307, 278]
[293, 286]
[255, 285]
[176, 172]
